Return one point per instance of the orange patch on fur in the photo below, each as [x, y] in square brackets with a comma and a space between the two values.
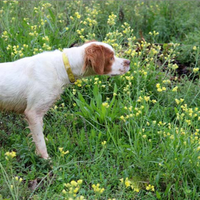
[99, 58]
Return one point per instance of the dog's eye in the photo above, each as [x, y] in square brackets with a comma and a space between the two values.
[112, 58]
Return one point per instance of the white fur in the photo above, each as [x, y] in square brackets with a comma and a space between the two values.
[32, 84]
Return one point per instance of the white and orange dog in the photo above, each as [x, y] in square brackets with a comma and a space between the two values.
[32, 84]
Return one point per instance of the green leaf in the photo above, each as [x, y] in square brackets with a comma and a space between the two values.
[158, 195]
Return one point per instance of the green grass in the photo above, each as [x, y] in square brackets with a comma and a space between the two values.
[135, 135]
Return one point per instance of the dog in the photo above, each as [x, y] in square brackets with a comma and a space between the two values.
[32, 84]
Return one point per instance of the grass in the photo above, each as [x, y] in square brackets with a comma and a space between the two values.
[134, 136]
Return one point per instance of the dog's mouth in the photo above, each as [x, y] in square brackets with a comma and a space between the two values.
[113, 75]
[121, 72]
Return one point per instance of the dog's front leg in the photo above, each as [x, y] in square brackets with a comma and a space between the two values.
[35, 122]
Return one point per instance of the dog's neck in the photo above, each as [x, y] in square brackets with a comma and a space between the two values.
[75, 56]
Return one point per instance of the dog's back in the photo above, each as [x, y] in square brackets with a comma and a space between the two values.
[27, 78]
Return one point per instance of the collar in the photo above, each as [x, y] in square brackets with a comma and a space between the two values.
[68, 68]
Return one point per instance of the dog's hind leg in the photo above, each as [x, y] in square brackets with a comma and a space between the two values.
[35, 121]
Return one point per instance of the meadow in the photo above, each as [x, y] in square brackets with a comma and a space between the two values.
[135, 136]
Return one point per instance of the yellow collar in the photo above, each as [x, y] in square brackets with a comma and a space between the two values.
[68, 68]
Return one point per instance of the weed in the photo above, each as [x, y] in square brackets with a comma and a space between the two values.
[134, 136]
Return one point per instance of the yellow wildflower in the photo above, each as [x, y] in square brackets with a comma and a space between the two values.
[175, 89]
[195, 70]
[105, 104]
[150, 187]
[11, 155]
[64, 191]
[80, 181]
[127, 182]
[62, 152]
[74, 183]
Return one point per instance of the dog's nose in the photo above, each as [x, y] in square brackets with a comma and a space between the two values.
[127, 62]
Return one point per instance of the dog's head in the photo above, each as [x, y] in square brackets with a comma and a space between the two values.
[100, 57]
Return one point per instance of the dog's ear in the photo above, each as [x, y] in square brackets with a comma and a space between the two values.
[95, 58]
